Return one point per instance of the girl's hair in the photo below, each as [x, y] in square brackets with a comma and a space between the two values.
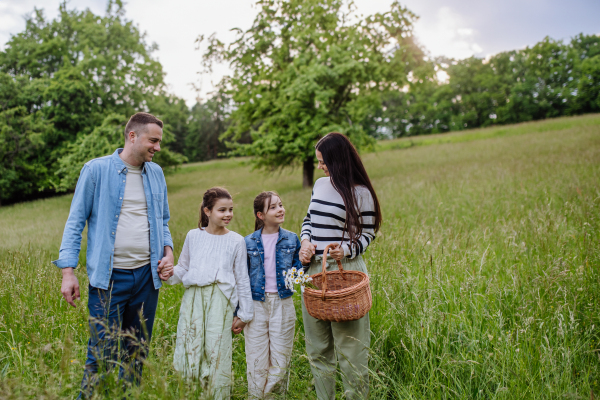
[346, 171]
[259, 206]
[208, 200]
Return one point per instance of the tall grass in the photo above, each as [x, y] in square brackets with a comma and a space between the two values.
[485, 275]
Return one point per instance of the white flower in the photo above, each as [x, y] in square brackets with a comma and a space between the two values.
[301, 272]
[297, 281]
[284, 273]
[293, 270]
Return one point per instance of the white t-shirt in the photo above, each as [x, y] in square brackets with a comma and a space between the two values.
[132, 239]
[269, 243]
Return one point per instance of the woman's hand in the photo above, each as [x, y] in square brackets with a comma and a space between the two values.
[307, 250]
[238, 325]
[336, 252]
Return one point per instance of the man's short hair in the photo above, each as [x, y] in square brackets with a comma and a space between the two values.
[138, 122]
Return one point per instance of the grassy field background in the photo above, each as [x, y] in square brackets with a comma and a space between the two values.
[485, 274]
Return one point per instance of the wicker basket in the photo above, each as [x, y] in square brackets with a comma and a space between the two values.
[344, 295]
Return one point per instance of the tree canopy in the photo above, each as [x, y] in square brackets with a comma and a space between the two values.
[304, 68]
[309, 67]
[61, 80]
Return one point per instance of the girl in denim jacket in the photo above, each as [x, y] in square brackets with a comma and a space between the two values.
[270, 335]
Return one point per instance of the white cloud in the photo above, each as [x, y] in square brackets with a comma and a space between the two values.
[173, 25]
[447, 35]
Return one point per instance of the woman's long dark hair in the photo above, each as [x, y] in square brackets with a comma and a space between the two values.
[347, 171]
[208, 200]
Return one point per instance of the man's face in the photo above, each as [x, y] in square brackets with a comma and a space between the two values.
[145, 144]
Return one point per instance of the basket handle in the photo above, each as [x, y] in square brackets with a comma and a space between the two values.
[339, 263]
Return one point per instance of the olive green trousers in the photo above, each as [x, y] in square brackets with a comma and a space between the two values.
[346, 343]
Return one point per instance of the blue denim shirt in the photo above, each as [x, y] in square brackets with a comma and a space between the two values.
[97, 200]
[287, 252]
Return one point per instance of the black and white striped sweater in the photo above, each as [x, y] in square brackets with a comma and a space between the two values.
[326, 216]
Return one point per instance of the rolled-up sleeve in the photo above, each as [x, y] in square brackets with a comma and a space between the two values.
[242, 284]
[81, 207]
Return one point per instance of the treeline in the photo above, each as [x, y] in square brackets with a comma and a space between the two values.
[67, 87]
[550, 79]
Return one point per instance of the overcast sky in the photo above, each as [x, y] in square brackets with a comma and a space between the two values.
[454, 28]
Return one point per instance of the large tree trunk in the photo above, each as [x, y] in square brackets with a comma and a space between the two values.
[308, 173]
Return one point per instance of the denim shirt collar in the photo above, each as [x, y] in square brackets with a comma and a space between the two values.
[120, 165]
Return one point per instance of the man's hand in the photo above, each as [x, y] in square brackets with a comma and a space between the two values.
[165, 266]
[336, 252]
[70, 286]
[238, 325]
[307, 250]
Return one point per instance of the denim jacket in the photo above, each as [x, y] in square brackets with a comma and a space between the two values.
[287, 252]
[97, 200]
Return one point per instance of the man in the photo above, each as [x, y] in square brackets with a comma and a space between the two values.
[123, 199]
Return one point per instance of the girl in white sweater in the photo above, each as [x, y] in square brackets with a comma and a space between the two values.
[212, 266]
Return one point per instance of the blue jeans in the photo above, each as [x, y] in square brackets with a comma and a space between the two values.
[121, 320]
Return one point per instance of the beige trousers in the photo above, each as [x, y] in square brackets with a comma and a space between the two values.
[345, 342]
[204, 343]
[269, 339]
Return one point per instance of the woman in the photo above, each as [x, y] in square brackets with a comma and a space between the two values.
[344, 210]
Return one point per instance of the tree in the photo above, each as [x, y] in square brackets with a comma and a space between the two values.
[589, 85]
[209, 121]
[22, 168]
[59, 80]
[175, 114]
[306, 68]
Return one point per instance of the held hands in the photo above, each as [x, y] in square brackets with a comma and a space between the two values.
[70, 286]
[165, 266]
[238, 325]
[307, 250]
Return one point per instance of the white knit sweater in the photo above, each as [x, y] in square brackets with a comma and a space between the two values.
[206, 259]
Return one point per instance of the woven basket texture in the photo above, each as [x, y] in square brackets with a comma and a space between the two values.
[346, 295]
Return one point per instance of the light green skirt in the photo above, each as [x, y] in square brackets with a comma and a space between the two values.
[203, 348]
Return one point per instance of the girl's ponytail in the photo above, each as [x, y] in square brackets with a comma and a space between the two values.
[259, 206]
[208, 200]
[203, 222]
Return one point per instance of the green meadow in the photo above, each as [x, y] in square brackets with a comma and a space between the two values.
[485, 274]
